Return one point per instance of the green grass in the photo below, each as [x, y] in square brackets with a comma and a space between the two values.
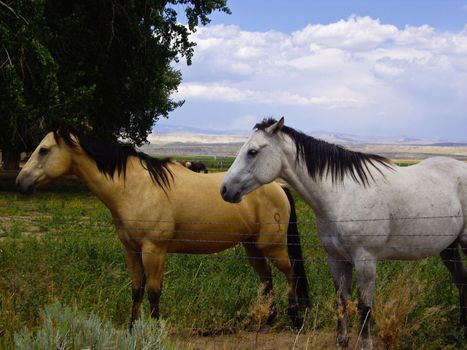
[61, 246]
[214, 163]
[405, 162]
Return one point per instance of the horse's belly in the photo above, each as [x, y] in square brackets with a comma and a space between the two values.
[410, 251]
[198, 247]
[396, 239]
[413, 248]
[206, 240]
[417, 238]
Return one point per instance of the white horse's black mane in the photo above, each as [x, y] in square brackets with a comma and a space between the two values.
[324, 158]
[112, 156]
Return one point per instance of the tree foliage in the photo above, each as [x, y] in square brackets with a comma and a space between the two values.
[103, 65]
[28, 84]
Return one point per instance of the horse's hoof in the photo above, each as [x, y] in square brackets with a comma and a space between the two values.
[264, 328]
[367, 344]
[271, 318]
[342, 342]
[298, 323]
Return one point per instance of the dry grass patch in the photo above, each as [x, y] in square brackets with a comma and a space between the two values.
[259, 310]
[395, 301]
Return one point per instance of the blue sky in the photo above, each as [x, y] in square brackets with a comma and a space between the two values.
[291, 15]
[376, 68]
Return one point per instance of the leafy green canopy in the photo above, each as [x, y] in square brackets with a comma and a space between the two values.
[103, 65]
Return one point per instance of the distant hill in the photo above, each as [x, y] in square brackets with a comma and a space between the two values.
[178, 129]
[206, 135]
[188, 141]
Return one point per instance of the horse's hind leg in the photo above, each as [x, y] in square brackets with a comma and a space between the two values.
[341, 272]
[135, 267]
[365, 271]
[279, 257]
[258, 262]
[452, 260]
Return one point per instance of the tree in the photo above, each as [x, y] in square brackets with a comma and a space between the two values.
[28, 85]
[102, 65]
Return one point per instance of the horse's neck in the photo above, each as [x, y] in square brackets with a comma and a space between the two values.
[104, 187]
[320, 194]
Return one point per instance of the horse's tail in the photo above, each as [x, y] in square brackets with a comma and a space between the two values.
[295, 254]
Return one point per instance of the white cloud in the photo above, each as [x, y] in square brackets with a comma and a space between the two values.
[369, 72]
[355, 33]
[219, 92]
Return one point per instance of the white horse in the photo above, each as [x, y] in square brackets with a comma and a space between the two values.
[367, 209]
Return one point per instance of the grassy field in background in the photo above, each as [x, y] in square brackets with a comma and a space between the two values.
[61, 246]
[214, 163]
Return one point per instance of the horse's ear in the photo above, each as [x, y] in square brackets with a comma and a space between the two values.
[67, 134]
[277, 126]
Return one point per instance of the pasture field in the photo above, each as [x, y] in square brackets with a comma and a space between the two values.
[214, 163]
[223, 163]
[59, 251]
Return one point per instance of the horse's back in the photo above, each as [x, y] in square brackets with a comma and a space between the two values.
[441, 178]
[409, 213]
[441, 165]
[200, 214]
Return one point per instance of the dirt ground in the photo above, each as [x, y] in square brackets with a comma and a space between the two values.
[269, 341]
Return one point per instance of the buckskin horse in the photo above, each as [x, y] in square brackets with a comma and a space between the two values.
[147, 198]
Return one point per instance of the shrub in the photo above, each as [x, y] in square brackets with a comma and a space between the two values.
[65, 327]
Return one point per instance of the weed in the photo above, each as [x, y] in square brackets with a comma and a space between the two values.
[396, 301]
[260, 310]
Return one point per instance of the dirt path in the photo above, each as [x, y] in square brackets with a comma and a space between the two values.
[268, 341]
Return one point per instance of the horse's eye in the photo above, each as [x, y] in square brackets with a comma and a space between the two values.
[252, 152]
[43, 151]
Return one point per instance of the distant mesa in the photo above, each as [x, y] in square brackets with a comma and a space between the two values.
[179, 129]
[324, 135]
[177, 140]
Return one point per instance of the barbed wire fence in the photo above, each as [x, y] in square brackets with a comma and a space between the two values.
[56, 227]
[157, 230]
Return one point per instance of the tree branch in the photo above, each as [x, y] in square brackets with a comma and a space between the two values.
[13, 11]
[7, 60]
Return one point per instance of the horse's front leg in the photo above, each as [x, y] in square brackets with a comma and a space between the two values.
[341, 272]
[135, 267]
[153, 255]
[365, 268]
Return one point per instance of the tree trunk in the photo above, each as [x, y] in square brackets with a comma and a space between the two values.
[11, 159]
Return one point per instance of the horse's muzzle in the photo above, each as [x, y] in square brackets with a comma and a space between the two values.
[230, 196]
[24, 186]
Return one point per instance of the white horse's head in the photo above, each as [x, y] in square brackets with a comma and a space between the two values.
[49, 161]
[275, 150]
[258, 162]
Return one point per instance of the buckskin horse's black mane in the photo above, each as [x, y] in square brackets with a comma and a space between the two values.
[111, 157]
[324, 158]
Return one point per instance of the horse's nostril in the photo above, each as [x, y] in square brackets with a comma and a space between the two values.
[223, 190]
